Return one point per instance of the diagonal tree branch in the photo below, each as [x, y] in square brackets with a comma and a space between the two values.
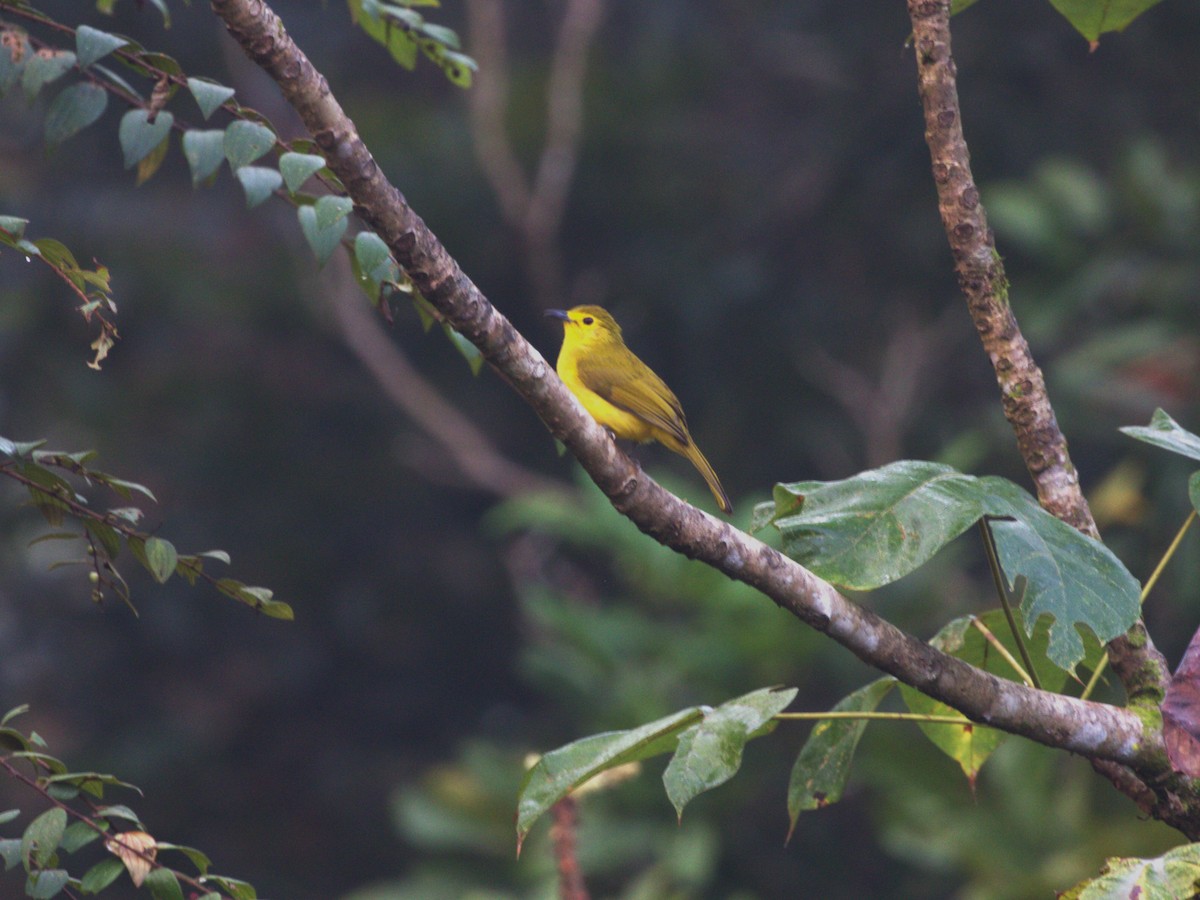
[1091, 729]
[1141, 668]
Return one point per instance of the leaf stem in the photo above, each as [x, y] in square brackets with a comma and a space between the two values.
[993, 558]
[991, 638]
[881, 716]
[1146, 589]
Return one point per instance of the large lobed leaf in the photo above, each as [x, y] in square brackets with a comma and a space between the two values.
[872, 529]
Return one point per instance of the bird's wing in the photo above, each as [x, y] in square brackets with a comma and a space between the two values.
[631, 385]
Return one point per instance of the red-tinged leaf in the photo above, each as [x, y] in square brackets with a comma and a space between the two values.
[1181, 713]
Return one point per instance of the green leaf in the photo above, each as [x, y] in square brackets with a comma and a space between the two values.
[41, 837]
[163, 884]
[710, 752]
[374, 258]
[14, 56]
[468, 350]
[160, 558]
[208, 94]
[92, 44]
[458, 67]
[297, 168]
[871, 529]
[78, 834]
[46, 883]
[239, 890]
[246, 141]
[120, 811]
[563, 770]
[140, 137]
[13, 713]
[330, 209]
[1194, 490]
[1092, 19]
[106, 535]
[123, 487]
[101, 875]
[43, 67]
[15, 227]
[73, 110]
[1174, 874]
[204, 152]
[440, 33]
[10, 852]
[8, 815]
[1165, 432]
[822, 769]
[1072, 577]
[259, 182]
[322, 241]
[198, 859]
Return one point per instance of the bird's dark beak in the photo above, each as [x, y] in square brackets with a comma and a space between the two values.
[557, 314]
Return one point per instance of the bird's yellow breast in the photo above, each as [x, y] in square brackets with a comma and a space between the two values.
[624, 425]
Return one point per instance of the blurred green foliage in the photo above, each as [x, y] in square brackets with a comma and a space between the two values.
[753, 202]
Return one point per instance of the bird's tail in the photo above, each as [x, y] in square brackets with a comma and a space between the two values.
[692, 452]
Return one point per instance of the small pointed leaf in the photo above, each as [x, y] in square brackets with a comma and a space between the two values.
[1165, 432]
[73, 110]
[710, 752]
[101, 875]
[259, 183]
[297, 168]
[208, 94]
[92, 44]
[43, 67]
[161, 557]
[322, 241]
[41, 837]
[246, 141]
[822, 769]
[204, 152]
[140, 137]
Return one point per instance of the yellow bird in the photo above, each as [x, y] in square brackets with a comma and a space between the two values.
[621, 392]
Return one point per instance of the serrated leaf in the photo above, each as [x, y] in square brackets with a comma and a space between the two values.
[822, 768]
[140, 137]
[1092, 19]
[73, 110]
[101, 875]
[1165, 432]
[1071, 577]
[246, 141]
[869, 530]
[259, 183]
[208, 95]
[43, 67]
[161, 557]
[322, 241]
[204, 152]
[41, 837]
[563, 770]
[45, 883]
[92, 44]
[1172, 875]
[710, 752]
[297, 168]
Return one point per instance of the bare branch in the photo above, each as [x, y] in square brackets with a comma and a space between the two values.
[981, 277]
[1091, 729]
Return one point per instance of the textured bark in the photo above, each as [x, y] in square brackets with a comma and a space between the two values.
[981, 277]
[1095, 730]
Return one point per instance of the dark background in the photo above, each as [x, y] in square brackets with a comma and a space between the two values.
[753, 202]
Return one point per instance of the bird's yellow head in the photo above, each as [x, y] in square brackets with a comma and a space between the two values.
[587, 325]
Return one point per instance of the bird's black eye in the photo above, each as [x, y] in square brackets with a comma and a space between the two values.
[588, 320]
